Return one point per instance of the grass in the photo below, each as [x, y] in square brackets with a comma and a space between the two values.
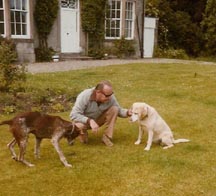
[184, 95]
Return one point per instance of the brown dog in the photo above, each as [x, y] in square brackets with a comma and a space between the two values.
[42, 126]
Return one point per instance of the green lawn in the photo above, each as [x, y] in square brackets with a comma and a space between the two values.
[183, 94]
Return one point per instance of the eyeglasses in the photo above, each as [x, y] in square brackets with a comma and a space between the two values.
[106, 95]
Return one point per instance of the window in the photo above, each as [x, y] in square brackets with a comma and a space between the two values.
[2, 18]
[129, 19]
[120, 22]
[19, 18]
[113, 20]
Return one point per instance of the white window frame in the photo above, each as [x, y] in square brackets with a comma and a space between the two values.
[112, 26]
[27, 21]
[129, 19]
[3, 9]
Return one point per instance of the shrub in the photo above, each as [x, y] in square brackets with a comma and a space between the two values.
[44, 54]
[9, 109]
[36, 100]
[124, 48]
[8, 52]
[58, 107]
[96, 53]
[12, 76]
[171, 53]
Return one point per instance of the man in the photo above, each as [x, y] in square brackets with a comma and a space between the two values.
[96, 107]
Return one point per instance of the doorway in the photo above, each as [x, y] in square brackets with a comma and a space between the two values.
[70, 26]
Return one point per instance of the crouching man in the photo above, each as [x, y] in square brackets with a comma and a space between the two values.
[95, 107]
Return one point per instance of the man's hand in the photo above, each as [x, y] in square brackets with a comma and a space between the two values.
[129, 112]
[94, 126]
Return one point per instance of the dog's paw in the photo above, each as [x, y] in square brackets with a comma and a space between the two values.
[146, 148]
[68, 165]
[137, 142]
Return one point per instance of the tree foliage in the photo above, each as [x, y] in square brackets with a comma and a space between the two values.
[179, 24]
[209, 27]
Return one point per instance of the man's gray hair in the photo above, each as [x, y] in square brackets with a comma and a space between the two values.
[101, 85]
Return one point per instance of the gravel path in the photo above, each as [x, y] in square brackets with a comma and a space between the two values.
[83, 64]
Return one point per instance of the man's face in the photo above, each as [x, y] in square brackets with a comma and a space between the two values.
[104, 94]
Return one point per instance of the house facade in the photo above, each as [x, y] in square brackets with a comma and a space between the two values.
[17, 23]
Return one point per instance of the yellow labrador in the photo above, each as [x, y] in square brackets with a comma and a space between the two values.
[151, 122]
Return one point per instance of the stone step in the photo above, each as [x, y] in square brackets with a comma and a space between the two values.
[73, 56]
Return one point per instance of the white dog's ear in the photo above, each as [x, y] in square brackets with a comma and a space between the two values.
[143, 112]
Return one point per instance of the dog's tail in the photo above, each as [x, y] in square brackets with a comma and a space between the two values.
[6, 122]
[180, 141]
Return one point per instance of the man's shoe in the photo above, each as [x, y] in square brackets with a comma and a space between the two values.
[106, 140]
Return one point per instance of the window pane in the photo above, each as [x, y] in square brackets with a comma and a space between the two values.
[118, 14]
[12, 16]
[24, 30]
[18, 4]
[112, 24]
[118, 5]
[18, 29]
[23, 4]
[113, 15]
[73, 4]
[1, 28]
[12, 4]
[108, 32]
[113, 5]
[113, 33]
[12, 28]
[1, 15]
[118, 24]
[1, 4]
[117, 32]
[17, 16]
[23, 17]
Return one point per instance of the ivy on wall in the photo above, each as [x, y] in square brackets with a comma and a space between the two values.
[93, 19]
[45, 14]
